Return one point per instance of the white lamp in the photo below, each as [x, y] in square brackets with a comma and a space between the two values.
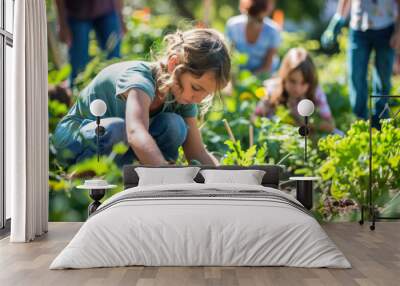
[98, 108]
[305, 109]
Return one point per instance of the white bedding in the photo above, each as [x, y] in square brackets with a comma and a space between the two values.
[183, 231]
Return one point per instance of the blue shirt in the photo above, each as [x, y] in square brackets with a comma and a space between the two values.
[269, 38]
[109, 85]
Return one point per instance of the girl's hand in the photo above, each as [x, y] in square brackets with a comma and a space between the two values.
[194, 148]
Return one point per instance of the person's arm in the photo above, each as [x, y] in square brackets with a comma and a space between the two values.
[327, 123]
[267, 64]
[64, 32]
[194, 148]
[264, 107]
[119, 5]
[395, 39]
[338, 21]
[137, 126]
[343, 8]
[326, 126]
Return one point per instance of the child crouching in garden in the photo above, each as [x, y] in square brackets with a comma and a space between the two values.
[297, 79]
[151, 106]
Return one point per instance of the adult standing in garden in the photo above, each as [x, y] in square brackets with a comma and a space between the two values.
[254, 34]
[151, 106]
[374, 26]
[76, 18]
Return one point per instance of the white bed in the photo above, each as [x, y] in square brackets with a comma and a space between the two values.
[203, 225]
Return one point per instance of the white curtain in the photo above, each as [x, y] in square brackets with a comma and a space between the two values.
[27, 163]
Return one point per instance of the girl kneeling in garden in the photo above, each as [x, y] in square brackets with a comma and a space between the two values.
[151, 106]
[297, 79]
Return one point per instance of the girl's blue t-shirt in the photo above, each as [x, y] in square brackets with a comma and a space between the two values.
[109, 85]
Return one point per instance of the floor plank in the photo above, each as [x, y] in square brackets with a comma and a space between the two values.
[374, 255]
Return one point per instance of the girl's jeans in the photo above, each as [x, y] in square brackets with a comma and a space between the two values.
[361, 44]
[168, 129]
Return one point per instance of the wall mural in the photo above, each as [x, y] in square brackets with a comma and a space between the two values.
[250, 120]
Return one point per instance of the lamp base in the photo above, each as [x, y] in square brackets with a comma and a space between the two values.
[96, 195]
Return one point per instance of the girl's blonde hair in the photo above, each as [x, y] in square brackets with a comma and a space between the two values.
[198, 51]
[296, 59]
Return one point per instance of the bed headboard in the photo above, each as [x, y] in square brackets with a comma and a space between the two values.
[270, 179]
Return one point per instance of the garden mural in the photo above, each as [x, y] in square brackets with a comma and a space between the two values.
[228, 130]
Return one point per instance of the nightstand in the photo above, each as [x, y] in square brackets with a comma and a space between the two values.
[97, 189]
[304, 190]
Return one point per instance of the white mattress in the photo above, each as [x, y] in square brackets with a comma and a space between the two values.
[189, 231]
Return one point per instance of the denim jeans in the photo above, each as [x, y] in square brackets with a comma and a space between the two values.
[361, 44]
[108, 33]
[169, 130]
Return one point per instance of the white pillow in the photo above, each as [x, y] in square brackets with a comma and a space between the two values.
[163, 176]
[249, 177]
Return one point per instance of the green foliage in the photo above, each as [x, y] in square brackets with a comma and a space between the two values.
[221, 10]
[299, 39]
[237, 156]
[67, 203]
[346, 165]
[301, 9]
[120, 148]
[181, 158]
[55, 77]
[284, 143]
[56, 111]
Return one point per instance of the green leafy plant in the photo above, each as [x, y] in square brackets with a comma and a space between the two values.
[237, 156]
[347, 163]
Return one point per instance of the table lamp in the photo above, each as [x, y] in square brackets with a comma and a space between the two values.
[305, 109]
[98, 108]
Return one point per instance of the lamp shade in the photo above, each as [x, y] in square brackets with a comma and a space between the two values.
[98, 107]
[305, 107]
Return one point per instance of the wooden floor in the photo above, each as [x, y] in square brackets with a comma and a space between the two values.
[375, 257]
